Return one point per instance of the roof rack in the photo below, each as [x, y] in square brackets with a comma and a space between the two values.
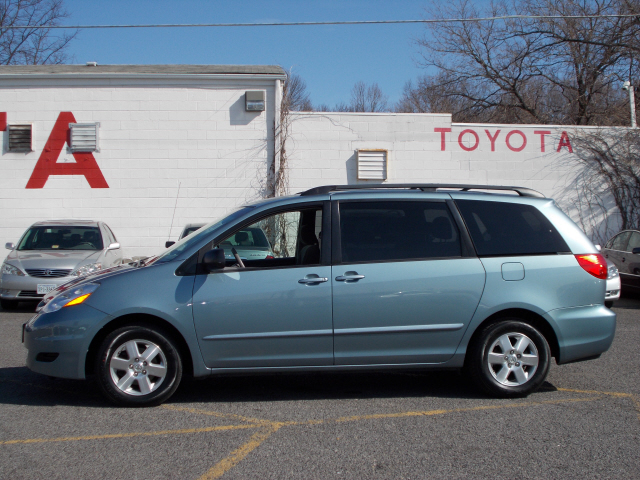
[425, 187]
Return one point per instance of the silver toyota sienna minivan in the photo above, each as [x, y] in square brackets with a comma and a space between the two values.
[496, 281]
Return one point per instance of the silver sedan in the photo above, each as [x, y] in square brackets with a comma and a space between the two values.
[53, 252]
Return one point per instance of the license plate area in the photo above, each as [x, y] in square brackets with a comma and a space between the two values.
[44, 288]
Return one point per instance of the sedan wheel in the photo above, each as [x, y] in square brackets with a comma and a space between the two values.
[509, 358]
[138, 365]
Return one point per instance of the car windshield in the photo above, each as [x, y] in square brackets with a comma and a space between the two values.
[187, 242]
[61, 238]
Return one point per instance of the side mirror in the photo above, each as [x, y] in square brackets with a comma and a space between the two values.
[9, 246]
[113, 246]
[168, 243]
[636, 251]
[214, 259]
[599, 248]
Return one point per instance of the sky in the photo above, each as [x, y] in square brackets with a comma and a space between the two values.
[330, 59]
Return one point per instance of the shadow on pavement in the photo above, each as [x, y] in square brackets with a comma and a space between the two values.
[20, 386]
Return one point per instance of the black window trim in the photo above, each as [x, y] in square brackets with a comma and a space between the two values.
[325, 254]
[466, 246]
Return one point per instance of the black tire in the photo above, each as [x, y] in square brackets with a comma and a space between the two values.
[608, 303]
[144, 388]
[8, 304]
[485, 354]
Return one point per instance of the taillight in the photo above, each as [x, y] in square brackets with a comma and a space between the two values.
[593, 263]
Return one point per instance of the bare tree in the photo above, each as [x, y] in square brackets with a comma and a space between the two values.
[297, 97]
[29, 45]
[533, 70]
[610, 161]
[367, 98]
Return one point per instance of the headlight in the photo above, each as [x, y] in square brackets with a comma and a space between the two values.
[612, 271]
[73, 296]
[11, 270]
[86, 269]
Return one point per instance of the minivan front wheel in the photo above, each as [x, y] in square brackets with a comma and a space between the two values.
[138, 366]
[509, 358]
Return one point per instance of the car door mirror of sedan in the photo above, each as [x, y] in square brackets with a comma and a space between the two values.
[636, 251]
[9, 246]
[599, 248]
[168, 243]
[113, 246]
[214, 259]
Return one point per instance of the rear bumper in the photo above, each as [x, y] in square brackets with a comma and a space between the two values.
[583, 332]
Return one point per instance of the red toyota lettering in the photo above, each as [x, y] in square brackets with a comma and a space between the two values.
[47, 163]
[442, 131]
[462, 134]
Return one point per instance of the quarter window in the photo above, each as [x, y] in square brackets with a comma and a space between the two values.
[393, 231]
[500, 229]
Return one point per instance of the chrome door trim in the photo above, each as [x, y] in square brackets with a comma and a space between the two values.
[253, 336]
[444, 327]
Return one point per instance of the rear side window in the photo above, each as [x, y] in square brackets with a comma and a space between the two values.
[388, 231]
[500, 229]
[634, 241]
[620, 241]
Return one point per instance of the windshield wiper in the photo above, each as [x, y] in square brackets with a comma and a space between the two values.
[143, 261]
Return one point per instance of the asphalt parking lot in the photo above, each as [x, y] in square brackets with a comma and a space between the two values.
[584, 423]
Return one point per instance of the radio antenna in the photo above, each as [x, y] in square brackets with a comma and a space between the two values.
[174, 210]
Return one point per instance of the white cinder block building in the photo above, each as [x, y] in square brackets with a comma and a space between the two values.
[148, 149]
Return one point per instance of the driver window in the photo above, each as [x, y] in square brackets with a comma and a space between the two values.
[283, 239]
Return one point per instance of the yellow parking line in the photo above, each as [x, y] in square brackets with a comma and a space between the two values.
[596, 392]
[259, 437]
[458, 410]
[129, 435]
[235, 457]
[217, 414]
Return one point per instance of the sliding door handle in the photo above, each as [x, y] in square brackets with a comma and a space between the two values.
[349, 277]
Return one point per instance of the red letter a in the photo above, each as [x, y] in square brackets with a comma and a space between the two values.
[85, 163]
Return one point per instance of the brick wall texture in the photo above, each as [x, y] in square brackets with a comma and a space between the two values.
[176, 153]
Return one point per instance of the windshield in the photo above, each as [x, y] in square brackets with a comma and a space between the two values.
[61, 238]
[187, 242]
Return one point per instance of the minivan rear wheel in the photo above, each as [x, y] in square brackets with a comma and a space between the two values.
[509, 358]
[138, 366]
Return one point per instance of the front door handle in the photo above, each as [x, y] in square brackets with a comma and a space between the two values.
[312, 279]
[349, 277]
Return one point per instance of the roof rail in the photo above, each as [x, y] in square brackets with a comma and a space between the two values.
[425, 187]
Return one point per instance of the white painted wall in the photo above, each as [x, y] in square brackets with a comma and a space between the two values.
[154, 135]
[323, 150]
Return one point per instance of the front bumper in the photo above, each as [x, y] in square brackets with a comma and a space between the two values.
[58, 342]
[14, 287]
[582, 332]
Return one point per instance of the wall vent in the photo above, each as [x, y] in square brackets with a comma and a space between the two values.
[84, 137]
[372, 164]
[20, 137]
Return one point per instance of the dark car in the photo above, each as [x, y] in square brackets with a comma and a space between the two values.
[624, 251]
